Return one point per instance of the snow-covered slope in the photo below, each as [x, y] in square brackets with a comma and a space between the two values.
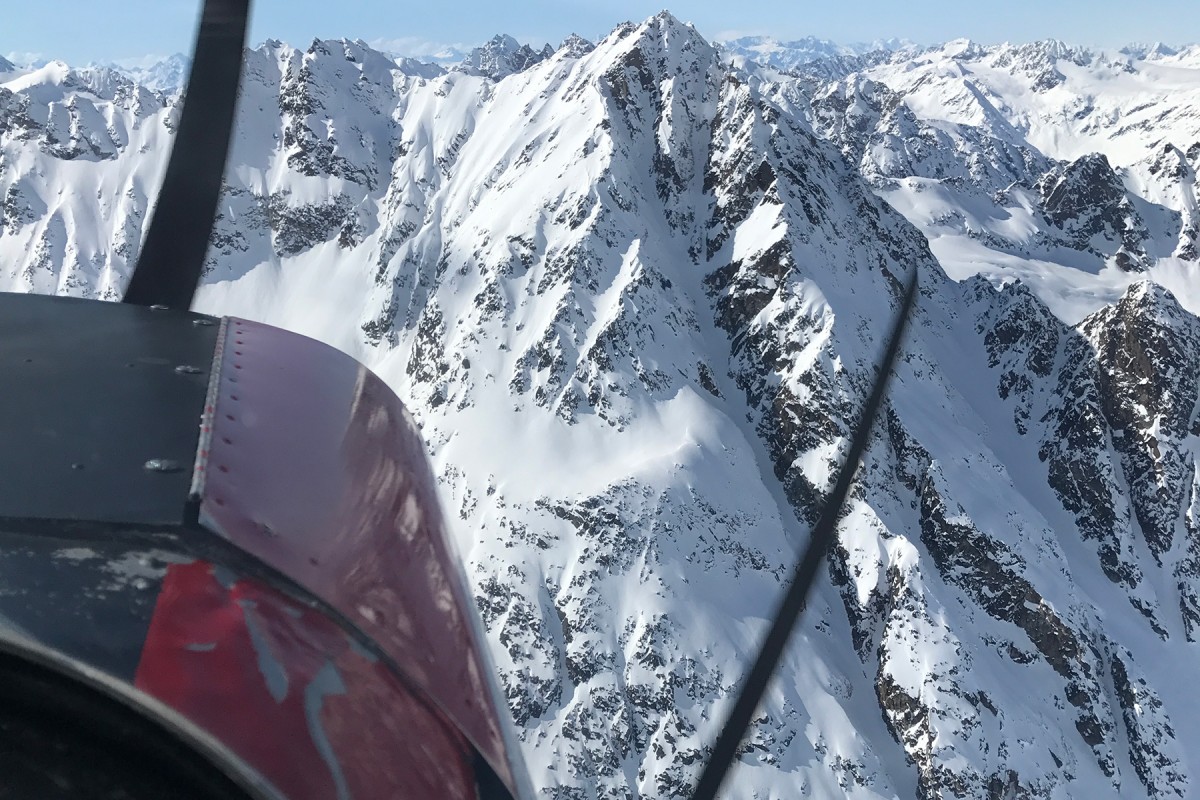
[1070, 169]
[787, 55]
[160, 75]
[634, 297]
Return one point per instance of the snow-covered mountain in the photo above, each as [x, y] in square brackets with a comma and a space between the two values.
[788, 55]
[1044, 162]
[634, 296]
[503, 55]
[167, 75]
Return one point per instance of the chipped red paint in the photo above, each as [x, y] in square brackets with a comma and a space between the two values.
[316, 468]
[292, 695]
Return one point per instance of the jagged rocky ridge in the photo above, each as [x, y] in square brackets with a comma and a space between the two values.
[634, 296]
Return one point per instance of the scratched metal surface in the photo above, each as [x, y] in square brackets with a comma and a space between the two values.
[89, 600]
[316, 468]
[293, 695]
[286, 690]
[323, 479]
[89, 393]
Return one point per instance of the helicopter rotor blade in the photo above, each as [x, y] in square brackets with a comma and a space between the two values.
[169, 268]
[796, 597]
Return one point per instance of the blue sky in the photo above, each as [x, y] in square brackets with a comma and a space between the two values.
[80, 31]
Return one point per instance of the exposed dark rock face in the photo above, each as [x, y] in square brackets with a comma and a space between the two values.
[1082, 470]
[317, 145]
[1173, 172]
[19, 209]
[14, 115]
[807, 408]
[296, 228]
[1151, 749]
[992, 576]
[1039, 61]
[1148, 353]
[575, 46]
[503, 56]
[1088, 203]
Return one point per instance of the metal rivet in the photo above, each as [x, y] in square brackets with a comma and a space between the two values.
[163, 465]
[159, 307]
[188, 369]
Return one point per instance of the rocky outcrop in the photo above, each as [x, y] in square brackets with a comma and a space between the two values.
[503, 55]
[575, 46]
[1087, 202]
[1147, 351]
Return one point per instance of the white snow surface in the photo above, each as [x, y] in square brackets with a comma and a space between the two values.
[167, 74]
[634, 296]
[769, 51]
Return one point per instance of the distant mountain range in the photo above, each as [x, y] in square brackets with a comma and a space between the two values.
[503, 55]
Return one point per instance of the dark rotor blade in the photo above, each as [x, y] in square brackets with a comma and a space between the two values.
[796, 598]
[172, 258]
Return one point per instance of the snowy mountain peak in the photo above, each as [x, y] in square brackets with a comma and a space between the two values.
[575, 46]
[502, 56]
[1053, 49]
[789, 55]
[961, 48]
[6, 65]
[666, 19]
[501, 43]
[1171, 163]
[1150, 300]
[665, 35]
[420, 69]
[1188, 56]
[1149, 52]
[663, 26]
[166, 75]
